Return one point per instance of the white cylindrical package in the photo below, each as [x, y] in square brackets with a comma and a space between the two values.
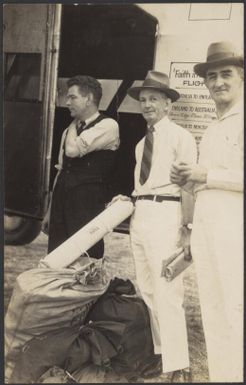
[87, 236]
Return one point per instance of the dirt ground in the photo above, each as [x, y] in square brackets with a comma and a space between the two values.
[118, 260]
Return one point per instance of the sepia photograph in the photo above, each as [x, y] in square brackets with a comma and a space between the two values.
[123, 182]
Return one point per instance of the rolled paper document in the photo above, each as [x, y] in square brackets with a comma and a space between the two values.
[87, 236]
[166, 262]
[175, 265]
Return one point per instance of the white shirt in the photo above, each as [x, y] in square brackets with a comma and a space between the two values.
[172, 143]
[102, 136]
[221, 152]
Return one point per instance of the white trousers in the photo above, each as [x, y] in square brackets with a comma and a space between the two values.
[217, 248]
[154, 234]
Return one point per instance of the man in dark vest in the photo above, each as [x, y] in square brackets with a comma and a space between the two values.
[85, 162]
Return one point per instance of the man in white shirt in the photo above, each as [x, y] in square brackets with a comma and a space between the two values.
[217, 235]
[85, 162]
[156, 222]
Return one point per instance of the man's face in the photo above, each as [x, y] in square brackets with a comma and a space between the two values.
[224, 84]
[154, 105]
[76, 102]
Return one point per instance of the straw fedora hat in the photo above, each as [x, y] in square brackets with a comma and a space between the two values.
[218, 54]
[157, 81]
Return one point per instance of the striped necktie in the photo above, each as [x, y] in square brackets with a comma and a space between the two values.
[147, 155]
[80, 126]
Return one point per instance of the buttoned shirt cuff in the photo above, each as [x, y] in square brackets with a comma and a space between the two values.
[231, 180]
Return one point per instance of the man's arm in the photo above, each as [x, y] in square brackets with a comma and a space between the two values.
[229, 178]
[222, 179]
[46, 220]
[71, 148]
[187, 205]
[191, 172]
[187, 153]
[104, 135]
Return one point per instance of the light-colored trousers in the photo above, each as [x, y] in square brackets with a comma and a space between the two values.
[154, 234]
[217, 248]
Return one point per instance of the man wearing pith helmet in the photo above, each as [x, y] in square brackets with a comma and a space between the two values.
[217, 236]
[156, 223]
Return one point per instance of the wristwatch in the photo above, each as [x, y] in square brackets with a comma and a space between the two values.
[188, 226]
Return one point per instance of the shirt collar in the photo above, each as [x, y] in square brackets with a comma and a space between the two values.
[159, 125]
[92, 117]
[237, 108]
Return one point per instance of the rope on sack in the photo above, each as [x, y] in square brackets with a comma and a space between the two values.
[90, 273]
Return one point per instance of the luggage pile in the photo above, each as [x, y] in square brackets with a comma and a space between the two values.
[65, 325]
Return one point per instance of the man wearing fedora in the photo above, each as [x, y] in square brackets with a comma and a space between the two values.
[156, 223]
[217, 235]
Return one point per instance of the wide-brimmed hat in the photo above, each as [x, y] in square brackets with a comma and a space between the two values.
[157, 81]
[218, 54]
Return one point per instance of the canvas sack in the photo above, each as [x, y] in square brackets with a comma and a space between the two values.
[46, 299]
[135, 344]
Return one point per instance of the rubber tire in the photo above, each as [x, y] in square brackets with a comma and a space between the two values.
[24, 233]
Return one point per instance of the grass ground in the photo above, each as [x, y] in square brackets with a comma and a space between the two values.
[118, 261]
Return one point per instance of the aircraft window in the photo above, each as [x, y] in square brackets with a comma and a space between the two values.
[22, 76]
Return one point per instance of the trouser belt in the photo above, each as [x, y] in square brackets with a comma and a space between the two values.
[155, 198]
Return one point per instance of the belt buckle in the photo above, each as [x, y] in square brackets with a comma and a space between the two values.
[154, 199]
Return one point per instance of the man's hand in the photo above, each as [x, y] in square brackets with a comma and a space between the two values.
[118, 197]
[175, 175]
[193, 172]
[189, 172]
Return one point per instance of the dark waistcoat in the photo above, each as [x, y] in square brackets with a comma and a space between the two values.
[93, 167]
